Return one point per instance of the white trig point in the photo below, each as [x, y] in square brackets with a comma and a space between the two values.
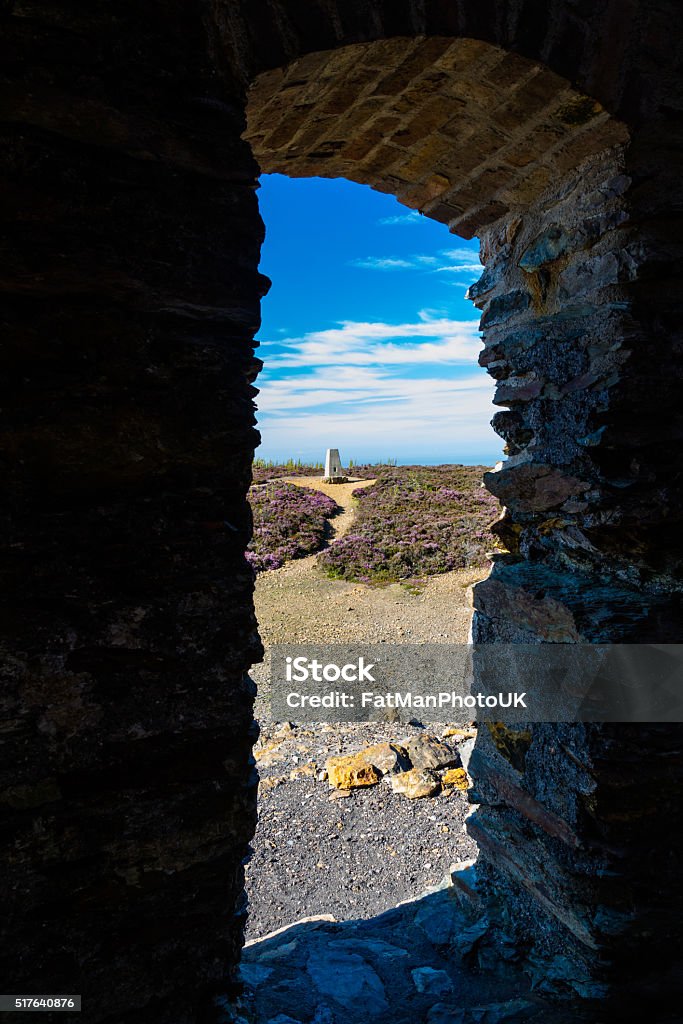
[334, 473]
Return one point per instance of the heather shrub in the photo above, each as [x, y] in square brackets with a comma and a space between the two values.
[416, 521]
[289, 522]
[264, 469]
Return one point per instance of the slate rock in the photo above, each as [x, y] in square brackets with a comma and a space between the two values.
[442, 1014]
[439, 918]
[503, 307]
[431, 981]
[427, 751]
[348, 979]
[493, 1013]
[549, 246]
[254, 975]
[388, 758]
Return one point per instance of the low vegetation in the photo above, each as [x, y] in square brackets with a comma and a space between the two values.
[414, 522]
[265, 469]
[289, 522]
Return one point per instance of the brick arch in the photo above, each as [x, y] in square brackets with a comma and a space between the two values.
[131, 298]
[458, 129]
[593, 47]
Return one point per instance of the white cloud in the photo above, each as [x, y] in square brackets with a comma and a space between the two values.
[370, 416]
[428, 340]
[400, 218]
[348, 387]
[355, 386]
[459, 261]
[462, 255]
[460, 268]
[382, 263]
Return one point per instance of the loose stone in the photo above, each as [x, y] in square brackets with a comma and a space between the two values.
[351, 772]
[416, 783]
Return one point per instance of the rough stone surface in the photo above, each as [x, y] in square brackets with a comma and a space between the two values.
[427, 979]
[350, 771]
[427, 751]
[440, 123]
[455, 777]
[388, 758]
[130, 301]
[415, 783]
[400, 967]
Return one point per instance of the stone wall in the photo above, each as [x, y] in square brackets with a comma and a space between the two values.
[130, 298]
[540, 173]
[566, 816]
[130, 285]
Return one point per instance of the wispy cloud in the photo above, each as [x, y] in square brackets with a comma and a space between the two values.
[346, 388]
[371, 413]
[428, 340]
[413, 217]
[379, 388]
[461, 254]
[383, 263]
[463, 262]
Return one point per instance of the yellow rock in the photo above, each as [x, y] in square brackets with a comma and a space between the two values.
[455, 777]
[352, 771]
[267, 753]
[270, 783]
[459, 732]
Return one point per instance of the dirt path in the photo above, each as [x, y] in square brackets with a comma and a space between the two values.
[299, 603]
[341, 493]
[353, 857]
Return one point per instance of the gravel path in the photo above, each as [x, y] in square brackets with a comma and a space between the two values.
[316, 851]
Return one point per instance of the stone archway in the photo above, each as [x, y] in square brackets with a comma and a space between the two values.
[132, 295]
[493, 144]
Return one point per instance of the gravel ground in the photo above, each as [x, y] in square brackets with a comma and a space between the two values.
[315, 851]
[351, 856]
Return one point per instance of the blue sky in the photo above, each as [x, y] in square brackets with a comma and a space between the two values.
[368, 342]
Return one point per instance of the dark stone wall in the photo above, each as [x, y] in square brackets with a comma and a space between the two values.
[602, 565]
[130, 298]
[130, 235]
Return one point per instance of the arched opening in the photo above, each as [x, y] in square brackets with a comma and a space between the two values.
[131, 298]
[497, 146]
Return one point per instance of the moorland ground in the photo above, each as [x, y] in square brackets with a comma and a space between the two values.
[316, 851]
